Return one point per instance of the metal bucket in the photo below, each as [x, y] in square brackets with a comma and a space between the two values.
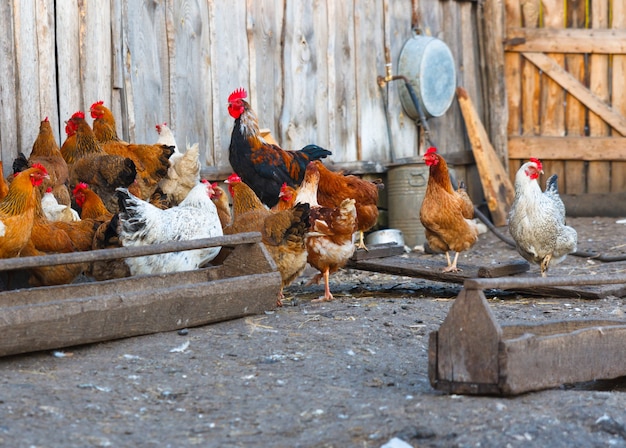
[428, 64]
[406, 187]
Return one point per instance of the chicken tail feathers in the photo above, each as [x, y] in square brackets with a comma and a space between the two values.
[314, 152]
[552, 185]
[20, 163]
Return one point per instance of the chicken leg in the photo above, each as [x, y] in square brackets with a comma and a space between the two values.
[361, 243]
[327, 294]
[545, 264]
[451, 266]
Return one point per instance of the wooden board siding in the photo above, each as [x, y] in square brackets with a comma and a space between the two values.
[310, 69]
[573, 94]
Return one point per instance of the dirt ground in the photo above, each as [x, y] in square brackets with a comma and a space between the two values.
[350, 373]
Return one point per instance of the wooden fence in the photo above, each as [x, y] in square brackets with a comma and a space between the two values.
[310, 67]
[566, 83]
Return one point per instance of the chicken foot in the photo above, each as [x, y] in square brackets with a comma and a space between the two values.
[327, 294]
[361, 243]
[452, 266]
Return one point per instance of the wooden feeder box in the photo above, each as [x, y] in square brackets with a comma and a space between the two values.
[52, 317]
[472, 354]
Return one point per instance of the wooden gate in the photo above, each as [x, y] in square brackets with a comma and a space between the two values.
[565, 69]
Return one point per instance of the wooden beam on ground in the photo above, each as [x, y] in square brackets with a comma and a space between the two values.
[497, 186]
[578, 90]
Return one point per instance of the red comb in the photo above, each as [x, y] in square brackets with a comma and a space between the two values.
[238, 94]
[537, 162]
[79, 114]
[233, 178]
[40, 167]
[45, 119]
[431, 150]
[80, 186]
[97, 103]
[49, 190]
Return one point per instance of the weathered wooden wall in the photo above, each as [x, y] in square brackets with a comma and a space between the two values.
[311, 69]
[566, 83]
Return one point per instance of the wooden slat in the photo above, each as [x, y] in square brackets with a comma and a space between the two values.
[598, 172]
[551, 68]
[562, 148]
[495, 89]
[575, 112]
[8, 100]
[513, 72]
[618, 94]
[568, 40]
[552, 95]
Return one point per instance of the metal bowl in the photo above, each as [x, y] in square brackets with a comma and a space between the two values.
[385, 236]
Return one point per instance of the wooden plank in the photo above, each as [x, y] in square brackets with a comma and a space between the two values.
[403, 130]
[495, 86]
[575, 112]
[369, 34]
[531, 88]
[512, 73]
[377, 251]
[535, 363]
[95, 311]
[569, 40]
[598, 172]
[618, 94]
[550, 67]
[88, 319]
[430, 269]
[574, 148]
[596, 204]
[497, 187]
[68, 44]
[504, 269]
[467, 341]
[552, 95]
[8, 99]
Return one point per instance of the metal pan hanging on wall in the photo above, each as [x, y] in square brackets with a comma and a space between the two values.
[428, 64]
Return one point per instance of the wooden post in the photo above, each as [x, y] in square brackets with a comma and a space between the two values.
[497, 186]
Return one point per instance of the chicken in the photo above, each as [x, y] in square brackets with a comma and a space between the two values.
[151, 161]
[182, 175]
[55, 211]
[329, 240]
[91, 206]
[283, 232]
[101, 171]
[286, 198]
[220, 199]
[54, 237]
[68, 148]
[537, 219]
[107, 237]
[446, 214]
[46, 151]
[263, 166]
[17, 210]
[141, 224]
[334, 187]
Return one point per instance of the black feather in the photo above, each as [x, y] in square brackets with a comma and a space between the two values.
[20, 163]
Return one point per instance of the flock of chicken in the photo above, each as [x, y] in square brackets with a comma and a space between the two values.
[97, 191]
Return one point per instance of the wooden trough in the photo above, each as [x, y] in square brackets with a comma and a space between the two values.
[32, 319]
[472, 354]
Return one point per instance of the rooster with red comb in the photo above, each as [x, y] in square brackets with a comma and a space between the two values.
[261, 165]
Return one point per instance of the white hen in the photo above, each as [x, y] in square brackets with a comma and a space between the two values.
[537, 219]
[55, 211]
[184, 170]
[142, 224]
